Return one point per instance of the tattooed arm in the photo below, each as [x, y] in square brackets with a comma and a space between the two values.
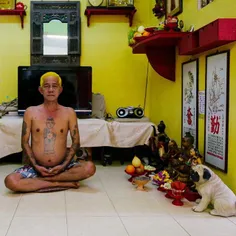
[74, 132]
[25, 135]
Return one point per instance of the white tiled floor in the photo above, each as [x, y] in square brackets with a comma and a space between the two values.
[107, 205]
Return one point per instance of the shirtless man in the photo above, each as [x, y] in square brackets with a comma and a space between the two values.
[51, 165]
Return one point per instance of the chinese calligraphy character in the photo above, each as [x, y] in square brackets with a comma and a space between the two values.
[215, 124]
[189, 116]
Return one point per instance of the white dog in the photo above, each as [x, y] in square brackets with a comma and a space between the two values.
[214, 191]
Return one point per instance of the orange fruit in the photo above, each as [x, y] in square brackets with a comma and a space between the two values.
[145, 33]
[130, 169]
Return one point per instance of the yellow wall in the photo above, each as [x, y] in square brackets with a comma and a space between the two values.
[14, 51]
[165, 96]
[120, 75]
[117, 73]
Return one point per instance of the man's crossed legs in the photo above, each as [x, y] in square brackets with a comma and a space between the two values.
[26, 179]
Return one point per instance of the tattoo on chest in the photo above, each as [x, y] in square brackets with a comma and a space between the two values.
[49, 136]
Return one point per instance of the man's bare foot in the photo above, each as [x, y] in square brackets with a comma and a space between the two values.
[67, 184]
[60, 186]
[72, 184]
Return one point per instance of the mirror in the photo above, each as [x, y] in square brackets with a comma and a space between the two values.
[55, 38]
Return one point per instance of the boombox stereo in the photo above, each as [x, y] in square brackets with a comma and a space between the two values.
[130, 112]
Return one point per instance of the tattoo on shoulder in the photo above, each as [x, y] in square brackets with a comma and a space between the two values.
[24, 127]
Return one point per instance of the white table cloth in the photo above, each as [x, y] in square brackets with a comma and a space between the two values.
[93, 133]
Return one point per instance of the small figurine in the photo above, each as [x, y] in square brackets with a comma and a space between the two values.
[181, 25]
[21, 6]
[180, 164]
[162, 136]
[195, 157]
[171, 24]
[187, 144]
[159, 146]
[173, 154]
[161, 127]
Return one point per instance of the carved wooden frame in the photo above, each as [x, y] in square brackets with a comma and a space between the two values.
[177, 7]
[66, 12]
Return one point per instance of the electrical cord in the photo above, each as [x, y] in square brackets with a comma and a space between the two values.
[109, 117]
[146, 86]
[5, 105]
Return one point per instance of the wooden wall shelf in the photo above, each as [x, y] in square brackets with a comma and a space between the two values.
[160, 50]
[160, 47]
[15, 12]
[129, 12]
[212, 35]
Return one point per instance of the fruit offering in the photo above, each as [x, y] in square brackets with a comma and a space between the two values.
[136, 168]
[141, 32]
[137, 32]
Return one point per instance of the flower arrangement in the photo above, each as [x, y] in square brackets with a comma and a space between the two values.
[161, 178]
[159, 9]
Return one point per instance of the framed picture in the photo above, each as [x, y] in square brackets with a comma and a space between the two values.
[174, 7]
[120, 3]
[216, 110]
[203, 3]
[7, 4]
[190, 99]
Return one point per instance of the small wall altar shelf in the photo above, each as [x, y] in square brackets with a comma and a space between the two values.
[213, 35]
[160, 47]
[160, 50]
[129, 12]
[15, 12]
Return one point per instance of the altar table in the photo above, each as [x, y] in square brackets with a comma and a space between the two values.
[93, 133]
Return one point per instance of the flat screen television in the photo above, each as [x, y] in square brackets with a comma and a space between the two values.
[76, 82]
